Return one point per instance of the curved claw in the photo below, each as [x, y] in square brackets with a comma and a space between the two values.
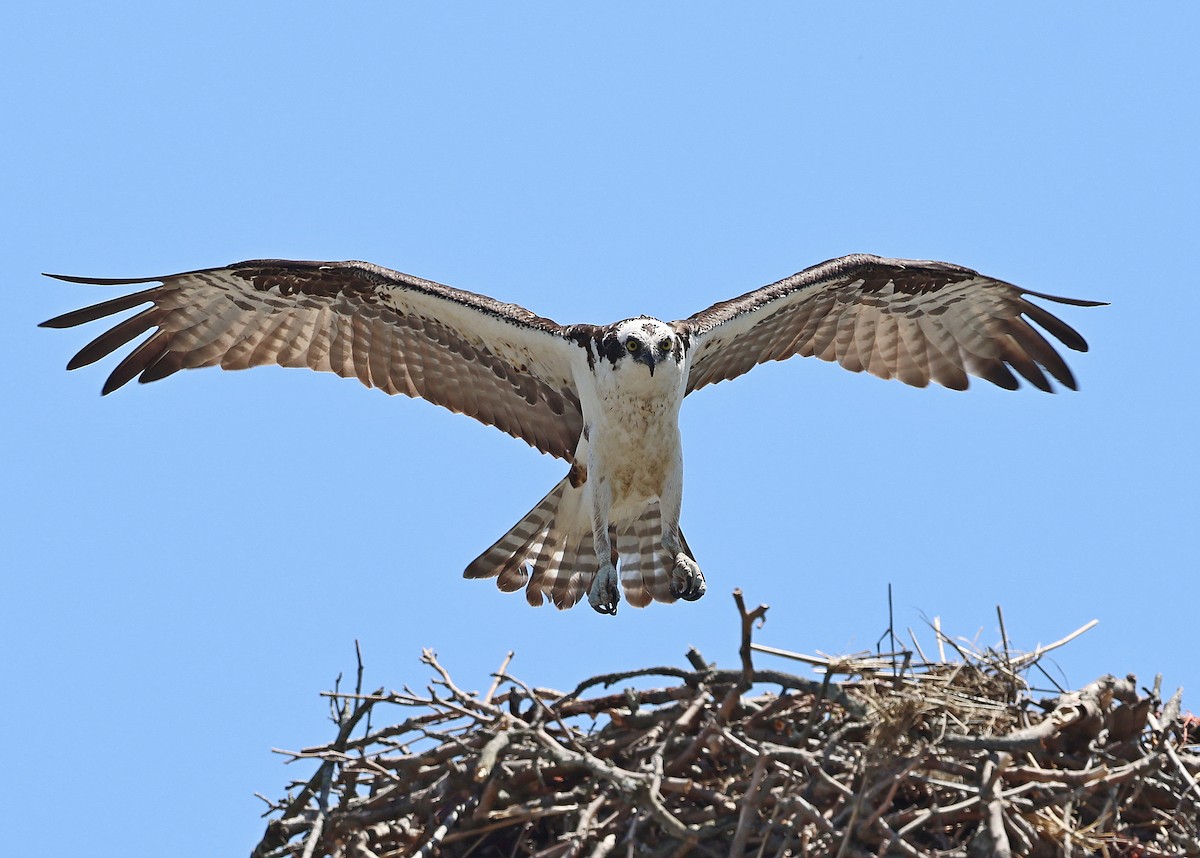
[687, 581]
[605, 592]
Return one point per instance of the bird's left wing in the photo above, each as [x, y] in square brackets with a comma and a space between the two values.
[916, 321]
[499, 363]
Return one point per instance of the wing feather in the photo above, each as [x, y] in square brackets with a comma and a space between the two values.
[885, 350]
[104, 308]
[360, 349]
[916, 321]
[806, 340]
[941, 349]
[1036, 346]
[1056, 326]
[113, 339]
[166, 364]
[822, 341]
[196, 331]
[915, 371]
[297, 333]
[1016, 357]
[498, 363]
[137, 361]
[245, 339]
[788, 346]
[865, 327]
[274, 340]
[845, 344]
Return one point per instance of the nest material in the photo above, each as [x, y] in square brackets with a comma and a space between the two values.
[908, 756]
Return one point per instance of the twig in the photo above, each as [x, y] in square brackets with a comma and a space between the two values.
[632, 784]
[749, 808]
[1023, 661]
[1183, 770]
[440, 832]
[993, 804]
[487, 698]
[487, 757]
[274, 837]
[747, 676]
[696, 660]
[1012, 686]
[749, 618]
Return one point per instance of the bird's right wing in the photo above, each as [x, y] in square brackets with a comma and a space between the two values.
[499, 363]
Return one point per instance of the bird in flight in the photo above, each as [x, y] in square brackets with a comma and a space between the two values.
[605, 398]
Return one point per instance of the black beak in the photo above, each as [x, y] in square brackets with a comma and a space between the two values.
[646, 356]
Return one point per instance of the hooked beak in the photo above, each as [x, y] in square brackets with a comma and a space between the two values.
[646, 356]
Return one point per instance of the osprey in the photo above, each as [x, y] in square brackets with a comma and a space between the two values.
[605, 398]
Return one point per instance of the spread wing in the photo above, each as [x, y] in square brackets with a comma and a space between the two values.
[916, 321]
[498, 363]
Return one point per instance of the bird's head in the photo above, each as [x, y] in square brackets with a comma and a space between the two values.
[643, 340]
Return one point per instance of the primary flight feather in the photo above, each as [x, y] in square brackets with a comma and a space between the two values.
[605, 398]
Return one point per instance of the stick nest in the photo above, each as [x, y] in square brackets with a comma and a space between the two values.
[904, 756]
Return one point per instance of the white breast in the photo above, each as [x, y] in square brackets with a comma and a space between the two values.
[633, 426]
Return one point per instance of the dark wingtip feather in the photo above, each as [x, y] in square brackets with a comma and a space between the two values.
[997, 373]
[144, 356]
[1074, 302]
[102, 281]
[114, 338]
[169, 364]
[1031, 372]
[1036, 347]
[99, 311]
[1067, 335]
[66, 320]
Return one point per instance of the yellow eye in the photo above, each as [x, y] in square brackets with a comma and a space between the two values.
[634, 346]
[664, 345]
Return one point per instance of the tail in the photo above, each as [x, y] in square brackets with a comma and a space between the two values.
[552, 554]
[555, 540]
[645, 564]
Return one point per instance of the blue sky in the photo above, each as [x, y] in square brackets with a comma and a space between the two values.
[187, 564]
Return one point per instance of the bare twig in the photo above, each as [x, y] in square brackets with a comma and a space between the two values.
[1031, 657]
[749, 618]
[487, 698]
[994, 804]
[749, 808]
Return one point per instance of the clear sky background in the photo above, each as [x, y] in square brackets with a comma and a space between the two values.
[186, 565]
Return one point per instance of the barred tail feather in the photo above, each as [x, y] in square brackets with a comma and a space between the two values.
[550, 552]
[506, 559]
[645, 564]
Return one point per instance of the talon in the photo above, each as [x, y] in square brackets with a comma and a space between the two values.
[687, 581]
[605, 592]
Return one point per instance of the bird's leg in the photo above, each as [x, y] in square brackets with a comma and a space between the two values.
[605, 592]
[687, 581]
